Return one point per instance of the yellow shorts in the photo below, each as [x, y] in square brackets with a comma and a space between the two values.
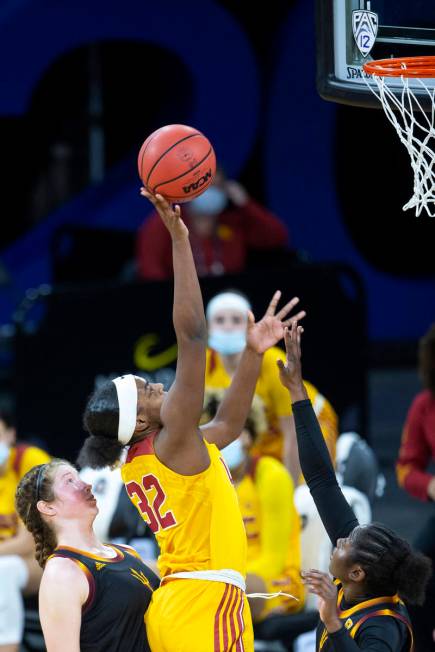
[199, 616]
[292, 584]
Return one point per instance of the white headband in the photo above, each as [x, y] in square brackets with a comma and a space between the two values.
[227, 300]
[127, 400]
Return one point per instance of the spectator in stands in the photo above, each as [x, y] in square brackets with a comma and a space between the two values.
[227, 315]
[224, 223]
[416, 452]
[265, 492]
[19, 571]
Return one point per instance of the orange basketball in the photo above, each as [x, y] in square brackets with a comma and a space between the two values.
[177, 162]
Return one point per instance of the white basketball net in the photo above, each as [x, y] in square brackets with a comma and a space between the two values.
[416, 131]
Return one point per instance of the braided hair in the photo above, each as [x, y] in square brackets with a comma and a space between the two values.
[101, 420]
[390, 564]
[37, 485]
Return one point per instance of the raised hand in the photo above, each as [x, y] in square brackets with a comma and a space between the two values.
[321, 585]
[171, 215]
[270, 330]
[290, 373]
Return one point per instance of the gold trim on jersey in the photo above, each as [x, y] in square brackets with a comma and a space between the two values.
[352, 627]
[345, 613]
[119, 553]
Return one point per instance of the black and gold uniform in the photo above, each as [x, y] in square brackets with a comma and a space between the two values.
[120, 590]
[367, 622]
[380, 623]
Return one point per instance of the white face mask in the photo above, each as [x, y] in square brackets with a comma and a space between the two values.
[227, 343]
[4, 452]
[211, 202]
[234, 454]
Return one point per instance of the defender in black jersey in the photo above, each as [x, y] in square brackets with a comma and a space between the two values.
[376, 571]
[93, 596]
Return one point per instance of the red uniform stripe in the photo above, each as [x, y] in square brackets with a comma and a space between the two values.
[233, 617]
[239, 645]
[217, 620]
[224, 617]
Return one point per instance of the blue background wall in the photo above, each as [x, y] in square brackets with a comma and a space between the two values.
[271, 112]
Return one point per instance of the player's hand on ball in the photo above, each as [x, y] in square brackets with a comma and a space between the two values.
[171, 215]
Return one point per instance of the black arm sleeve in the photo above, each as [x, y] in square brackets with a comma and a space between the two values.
[336, 514]
[380, 634]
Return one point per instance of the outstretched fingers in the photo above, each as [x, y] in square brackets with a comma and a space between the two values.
[287, 308]
[270, 312]
[295, 318]
[292, 338]
[319, 583]
[160, 203]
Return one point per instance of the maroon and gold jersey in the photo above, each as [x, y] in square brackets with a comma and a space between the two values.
[196, 518]
[387, 614]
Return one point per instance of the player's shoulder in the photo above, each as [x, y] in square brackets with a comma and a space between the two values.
[269, 467]
[61, 569]
[387, 627]
[63, 582]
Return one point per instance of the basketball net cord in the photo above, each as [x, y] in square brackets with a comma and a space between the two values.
[416, 133]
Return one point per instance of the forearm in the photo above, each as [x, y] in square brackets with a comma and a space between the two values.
[290, 452]
[336, 514]
[342, 642]
[414, 480]
[19, 545]
[235, 406]
[188, 313]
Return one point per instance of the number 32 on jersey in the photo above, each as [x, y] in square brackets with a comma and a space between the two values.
[151, 498]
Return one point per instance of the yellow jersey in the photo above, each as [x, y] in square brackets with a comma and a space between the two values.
[196, 518]
[22, 458]
[276, 402]
[273, 529]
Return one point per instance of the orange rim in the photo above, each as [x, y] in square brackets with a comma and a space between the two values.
[402, 67]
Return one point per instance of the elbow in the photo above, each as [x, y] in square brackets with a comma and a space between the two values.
[196, 334]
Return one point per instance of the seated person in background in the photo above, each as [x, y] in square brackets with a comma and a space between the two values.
[265, 491]
[418, 438]
[19, 571]
[417, 451]
[227, 315]
[224, 223]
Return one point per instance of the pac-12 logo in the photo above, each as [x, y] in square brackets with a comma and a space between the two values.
[365, 28]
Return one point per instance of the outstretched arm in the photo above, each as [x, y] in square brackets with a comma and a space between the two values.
[232, 413]
[336, 514]
[181, 410]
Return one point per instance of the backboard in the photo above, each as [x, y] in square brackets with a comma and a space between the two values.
[352, 32]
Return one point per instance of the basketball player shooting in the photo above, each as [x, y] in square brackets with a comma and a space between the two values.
[175, 474]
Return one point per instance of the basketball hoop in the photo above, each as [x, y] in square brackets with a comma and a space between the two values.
[415, 128]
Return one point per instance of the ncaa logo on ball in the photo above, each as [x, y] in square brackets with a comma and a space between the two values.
[365, 28]
[197, 184]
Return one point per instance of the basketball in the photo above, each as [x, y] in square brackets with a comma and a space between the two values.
[178, 162]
